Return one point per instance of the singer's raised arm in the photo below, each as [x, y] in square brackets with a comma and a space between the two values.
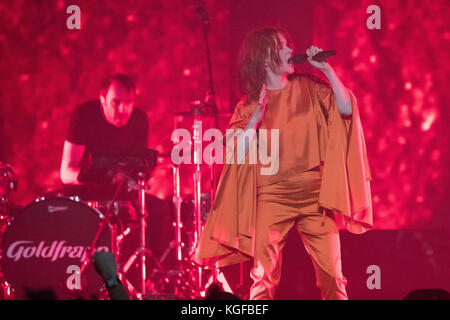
[343, 101]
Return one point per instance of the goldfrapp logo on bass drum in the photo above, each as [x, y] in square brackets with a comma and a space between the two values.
[56, 250]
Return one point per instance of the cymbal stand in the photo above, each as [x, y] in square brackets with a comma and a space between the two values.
[183, 277]
[182, 257]
[216, 275]
[197, 177]
[177, 202]
[142, 252]
[142, 228]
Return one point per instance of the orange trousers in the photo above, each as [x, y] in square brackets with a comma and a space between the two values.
[281, 206]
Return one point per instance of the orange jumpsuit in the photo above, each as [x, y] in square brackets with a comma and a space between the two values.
[323, 183]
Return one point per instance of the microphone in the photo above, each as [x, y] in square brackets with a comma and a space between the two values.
[320, 56]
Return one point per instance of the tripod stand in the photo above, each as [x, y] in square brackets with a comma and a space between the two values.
[142, 252]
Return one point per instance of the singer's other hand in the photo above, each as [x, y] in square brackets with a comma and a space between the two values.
[311, 52]
[263, 95]
[262, 101]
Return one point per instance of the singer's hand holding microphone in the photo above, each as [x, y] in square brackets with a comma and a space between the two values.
[315, 56]
[311, 52]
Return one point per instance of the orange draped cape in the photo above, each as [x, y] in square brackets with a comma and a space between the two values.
[229, 233]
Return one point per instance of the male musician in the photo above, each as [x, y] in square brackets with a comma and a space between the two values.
[110, 125]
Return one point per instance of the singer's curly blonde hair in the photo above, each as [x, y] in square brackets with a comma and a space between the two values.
[252, 59]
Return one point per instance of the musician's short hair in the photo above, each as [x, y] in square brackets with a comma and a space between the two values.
[121, 78]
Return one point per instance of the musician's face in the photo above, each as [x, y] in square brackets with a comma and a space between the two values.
[284, 52]
[118, 104]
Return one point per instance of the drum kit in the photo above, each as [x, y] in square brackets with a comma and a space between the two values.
[47, 246]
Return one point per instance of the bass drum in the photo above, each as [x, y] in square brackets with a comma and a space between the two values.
[44, 246]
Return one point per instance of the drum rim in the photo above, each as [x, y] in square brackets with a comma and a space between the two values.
[37, 201]
[10, 222]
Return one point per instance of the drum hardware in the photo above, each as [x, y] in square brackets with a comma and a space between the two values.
[198, 155]
[124, 169]
[8, 291]
[142, 252]
[216, 276]
[182, 276]
[178, 281]
[109, 221]
[8, 183]
[187, 273]
[177, 203]
[134, 171]
[186, 280]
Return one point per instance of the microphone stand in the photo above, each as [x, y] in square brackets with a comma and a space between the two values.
[210, 102]
[210, 99]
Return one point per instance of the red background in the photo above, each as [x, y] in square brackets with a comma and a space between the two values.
[398, 74]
